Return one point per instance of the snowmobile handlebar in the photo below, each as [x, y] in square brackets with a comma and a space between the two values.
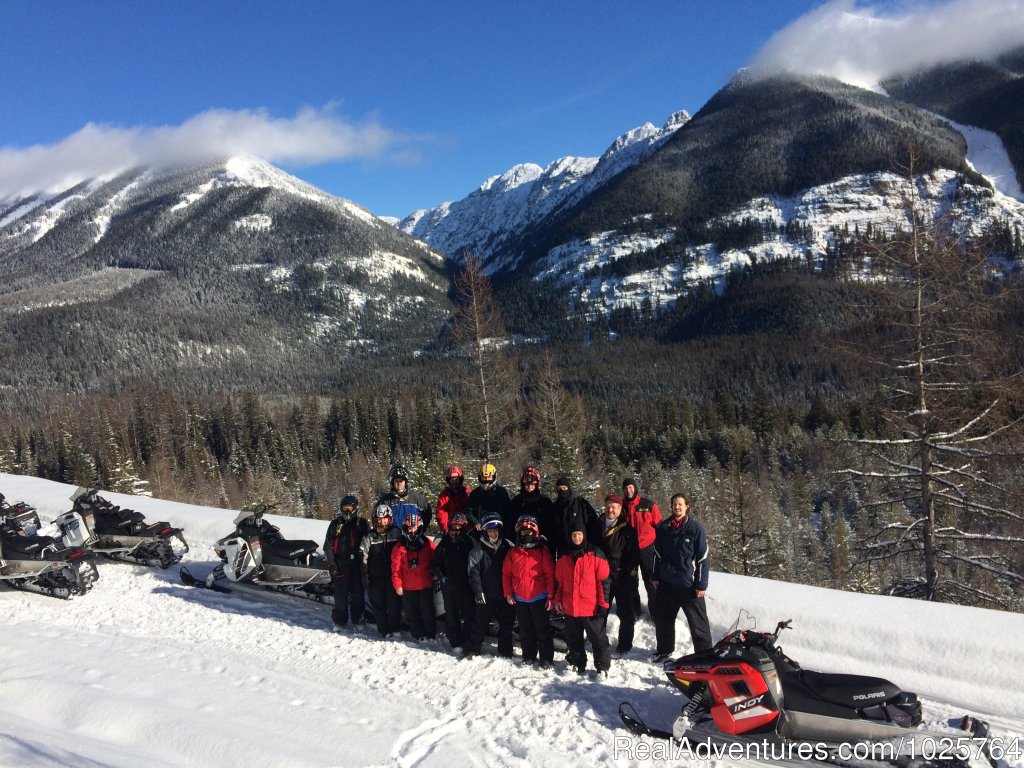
[787, 624]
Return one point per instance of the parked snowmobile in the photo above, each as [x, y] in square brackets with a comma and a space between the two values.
[747, 689]
[35, 563]
[118, 533]
[256, 553]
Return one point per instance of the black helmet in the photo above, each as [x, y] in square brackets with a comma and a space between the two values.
[398, 471]
[349, 505]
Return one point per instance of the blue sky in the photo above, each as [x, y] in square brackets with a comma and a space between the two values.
[395, 105]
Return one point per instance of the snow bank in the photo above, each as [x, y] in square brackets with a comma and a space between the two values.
[145, 671]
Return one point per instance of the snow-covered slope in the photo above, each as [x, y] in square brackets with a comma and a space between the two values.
[145, 671]
[509, 204]
[110, 196]
[850, 204]
[258, 261]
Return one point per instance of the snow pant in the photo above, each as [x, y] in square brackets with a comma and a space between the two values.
[535, 634]
[387, 607]
[418, 607]
[348, 593]
[647, 556]
[622, 593]
[594, 628]
[666, 608]
[459, 614]
[495, 607]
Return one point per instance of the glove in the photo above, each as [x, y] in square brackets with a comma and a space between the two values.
[600, 612]
[481, 599]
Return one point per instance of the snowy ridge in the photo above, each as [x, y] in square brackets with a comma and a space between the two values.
[851, 203]
[145, 671]
[509, 203]
[37, 215]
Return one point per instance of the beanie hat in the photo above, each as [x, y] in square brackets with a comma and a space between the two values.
[563, 481]
[613, 498]
[629, 481]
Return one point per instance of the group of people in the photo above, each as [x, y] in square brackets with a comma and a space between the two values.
[514, 560]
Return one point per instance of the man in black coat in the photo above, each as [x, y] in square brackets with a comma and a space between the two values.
[621, 548]
[402, 499]
[530, 501]
[485, 561]
[489, 497]
[450, 567]
[571, 512]
[376, 567]
[342, 549]
[681, 578]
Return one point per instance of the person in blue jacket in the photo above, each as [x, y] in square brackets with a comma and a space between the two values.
[680, 578]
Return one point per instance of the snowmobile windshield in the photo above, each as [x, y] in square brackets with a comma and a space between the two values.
[744, 620]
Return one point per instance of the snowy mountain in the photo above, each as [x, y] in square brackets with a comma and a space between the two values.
[145, 671]
[505, 206]
[230, 266]
[806, 158]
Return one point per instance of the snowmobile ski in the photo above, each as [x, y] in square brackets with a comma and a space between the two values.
[190, 580]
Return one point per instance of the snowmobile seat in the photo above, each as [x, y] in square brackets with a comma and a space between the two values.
[115, 521]
[288, 550]
[24, 545]
[853, 691]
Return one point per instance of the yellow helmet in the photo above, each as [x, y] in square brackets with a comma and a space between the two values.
[488, 473]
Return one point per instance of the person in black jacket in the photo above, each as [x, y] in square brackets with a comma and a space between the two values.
[487, 497]
[681, 578]
[403, 499]
[530, 501]
[571, 512]
[450, 566]
[622, 549]
[376, 569]
[342, 550]
[485, 563]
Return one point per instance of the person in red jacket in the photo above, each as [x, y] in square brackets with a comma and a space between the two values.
[581, 593]
[412, 578]
[644, 515]
[453, 496]
[528, 581]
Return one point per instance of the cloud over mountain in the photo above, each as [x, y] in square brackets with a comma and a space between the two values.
[862, 43]
[311, 137]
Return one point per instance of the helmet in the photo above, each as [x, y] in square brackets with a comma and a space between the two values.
[488, 473]
[398, 471]
[491, 520]
[527, 531]
[412, 526]
[530, 475]
[453, 474]
[382, 512]
[349, 505]
[458, 522]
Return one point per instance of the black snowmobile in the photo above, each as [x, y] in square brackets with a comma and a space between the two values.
[118, 533]
[746, 689]
[256, 557]
[35, 563]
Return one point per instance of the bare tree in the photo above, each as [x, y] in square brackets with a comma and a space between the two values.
[561, 418]
[492, 379]
[945, 523]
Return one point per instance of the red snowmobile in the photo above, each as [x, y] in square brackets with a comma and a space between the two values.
[746, 689]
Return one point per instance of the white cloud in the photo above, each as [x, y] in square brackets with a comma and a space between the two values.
[311, 137]
[863, 43]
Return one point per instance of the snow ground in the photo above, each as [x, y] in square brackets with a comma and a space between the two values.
[145, 671]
